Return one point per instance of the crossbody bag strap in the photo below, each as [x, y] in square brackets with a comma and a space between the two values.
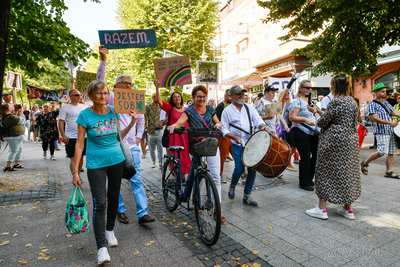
[304, 124]
[382, 105]
[201, 116]
[248, 115]
[120, 139]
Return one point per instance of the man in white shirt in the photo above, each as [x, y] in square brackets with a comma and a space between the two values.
[320, 97]
[132, 138]
[67, 117]
[269, 95]
[236, 126]
[325, 101]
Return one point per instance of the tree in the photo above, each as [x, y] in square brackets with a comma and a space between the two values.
[181, 26]
[349, 33]
[33, 30]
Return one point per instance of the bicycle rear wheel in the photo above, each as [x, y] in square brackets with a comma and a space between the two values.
[207, 209]
[170, 186]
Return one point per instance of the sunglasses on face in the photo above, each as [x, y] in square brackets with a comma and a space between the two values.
[76, 95]
[308, 88]
[241, 93]
[201, 97]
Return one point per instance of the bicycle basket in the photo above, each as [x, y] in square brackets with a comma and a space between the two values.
[203, 141]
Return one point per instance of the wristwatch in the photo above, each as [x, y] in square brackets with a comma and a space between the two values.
[314, 113]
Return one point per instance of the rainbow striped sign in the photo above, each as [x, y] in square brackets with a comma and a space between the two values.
[173, 71]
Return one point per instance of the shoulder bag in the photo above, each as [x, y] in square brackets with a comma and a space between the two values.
[129, 168]
[165, 137]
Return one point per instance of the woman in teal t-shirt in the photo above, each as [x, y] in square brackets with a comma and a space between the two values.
[104, 157]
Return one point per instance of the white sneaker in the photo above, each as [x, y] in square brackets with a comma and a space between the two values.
[153, 165]
[348, 214]
[111, 239]
[44, 155]
[102, 256]
[52, 157]
[315, 212]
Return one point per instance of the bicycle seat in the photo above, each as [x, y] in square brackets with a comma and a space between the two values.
[176, 148]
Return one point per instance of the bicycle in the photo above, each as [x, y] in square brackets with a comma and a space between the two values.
[205, 195]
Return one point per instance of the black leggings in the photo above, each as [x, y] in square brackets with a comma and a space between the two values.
[307, 145]
[45, 144]
[103, 198]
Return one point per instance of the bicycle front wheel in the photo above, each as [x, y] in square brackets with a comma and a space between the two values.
[207, 209]
[170, 186]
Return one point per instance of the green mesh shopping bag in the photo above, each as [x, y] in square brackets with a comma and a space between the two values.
[76, 215]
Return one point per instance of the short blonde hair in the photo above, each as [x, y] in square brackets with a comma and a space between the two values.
[95, 86]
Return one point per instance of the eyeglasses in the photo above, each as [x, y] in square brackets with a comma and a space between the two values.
[201, 97]
[126, 83]
[241, 93]
[101, 94]
[308, 88]
[76, 95]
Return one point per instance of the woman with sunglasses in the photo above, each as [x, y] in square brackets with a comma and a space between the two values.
[197, 116]
[174, 109]
[304, 135]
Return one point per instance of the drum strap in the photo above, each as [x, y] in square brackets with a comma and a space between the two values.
[251, 125]
[383, 106]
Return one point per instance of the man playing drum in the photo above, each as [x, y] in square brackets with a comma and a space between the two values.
[381, 111]
[237, 122]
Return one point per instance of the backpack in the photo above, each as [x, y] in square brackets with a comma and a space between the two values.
[4, 130]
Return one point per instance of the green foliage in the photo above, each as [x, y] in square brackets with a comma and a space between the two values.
[349, 33]
[37, 32]
[52, 78]
[181, 26]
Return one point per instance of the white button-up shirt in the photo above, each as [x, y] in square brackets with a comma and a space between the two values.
[231, 115]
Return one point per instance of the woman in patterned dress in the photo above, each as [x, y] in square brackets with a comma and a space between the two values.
[47, 122]
[337, 174]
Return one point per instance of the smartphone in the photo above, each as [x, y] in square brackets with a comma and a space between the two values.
[309, 96]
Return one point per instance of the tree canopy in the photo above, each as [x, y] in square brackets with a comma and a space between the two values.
[181, 26]
[349, 34]
[35, 32]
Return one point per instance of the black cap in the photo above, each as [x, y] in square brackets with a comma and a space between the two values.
[260, 95]
[270, 88]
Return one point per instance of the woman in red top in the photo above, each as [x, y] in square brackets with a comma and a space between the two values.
[174, 110]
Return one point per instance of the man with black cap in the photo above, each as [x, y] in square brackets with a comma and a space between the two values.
[7, 97]
[236, 125]
[381, 113]
[269, 95]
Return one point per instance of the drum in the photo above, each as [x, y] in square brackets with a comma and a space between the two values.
[396, 131]
[266, 154]
[362, 132]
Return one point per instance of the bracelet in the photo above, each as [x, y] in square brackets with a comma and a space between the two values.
[314, 113]
[74, 172]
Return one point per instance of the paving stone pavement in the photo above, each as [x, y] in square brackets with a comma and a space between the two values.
[279, 230]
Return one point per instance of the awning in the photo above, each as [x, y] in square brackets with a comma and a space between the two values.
[248, 78]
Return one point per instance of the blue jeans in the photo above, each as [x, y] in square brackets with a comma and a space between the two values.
[239, 169]
[137, 187]
[15, 148]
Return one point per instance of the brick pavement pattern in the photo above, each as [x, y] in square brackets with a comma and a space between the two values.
[279, 230]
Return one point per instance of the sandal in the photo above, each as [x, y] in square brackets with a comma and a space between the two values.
[18, 166]
[143, 156]
[391, 175]
[9, 169]
[363, 168]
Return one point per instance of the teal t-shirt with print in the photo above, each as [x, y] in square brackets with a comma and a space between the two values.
[102, 146]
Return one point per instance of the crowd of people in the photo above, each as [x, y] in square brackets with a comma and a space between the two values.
[324, 135]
